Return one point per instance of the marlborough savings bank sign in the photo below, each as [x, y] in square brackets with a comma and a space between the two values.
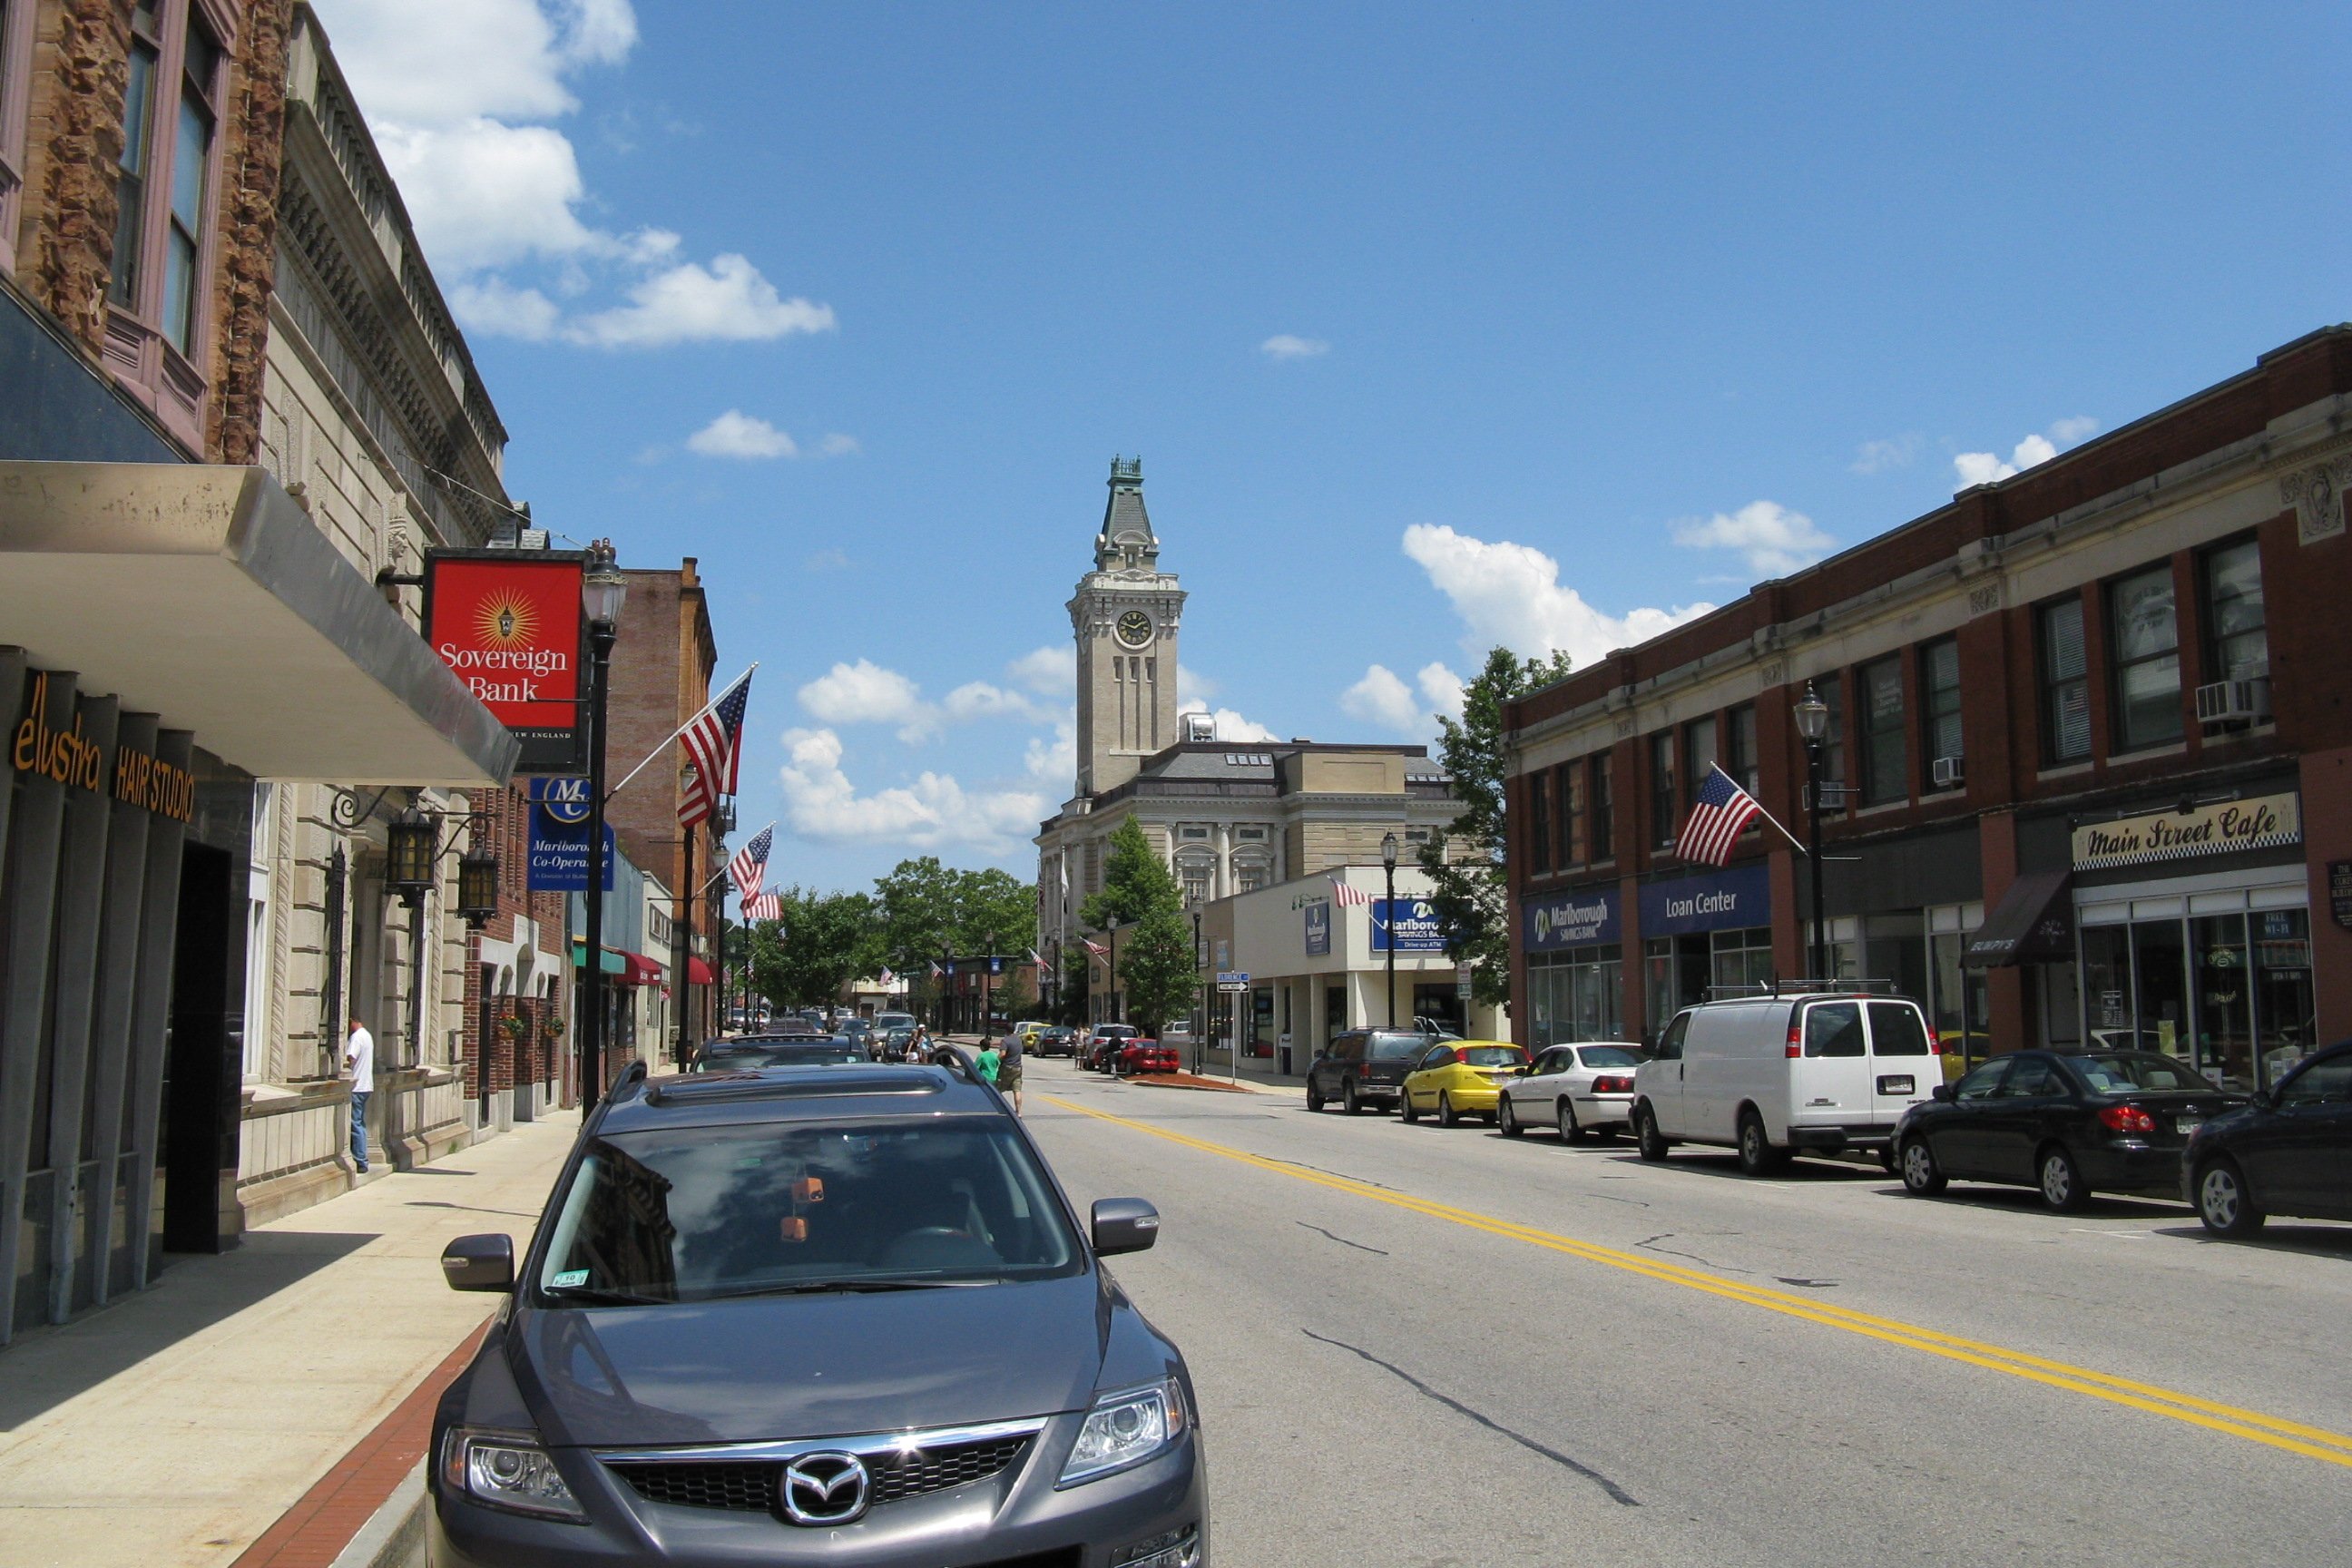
[508, 623]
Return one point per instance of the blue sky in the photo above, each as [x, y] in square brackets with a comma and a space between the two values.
[1540, 326]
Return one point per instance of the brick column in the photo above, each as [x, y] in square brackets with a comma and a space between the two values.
[2007, 1027]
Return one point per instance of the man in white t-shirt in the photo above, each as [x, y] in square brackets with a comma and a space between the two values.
[359, 1060]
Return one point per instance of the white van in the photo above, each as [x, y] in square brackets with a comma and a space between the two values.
[1773, 1075]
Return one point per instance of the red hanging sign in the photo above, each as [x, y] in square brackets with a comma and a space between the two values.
[507, 624]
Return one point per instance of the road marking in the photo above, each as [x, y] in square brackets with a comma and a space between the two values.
[2294, 1438]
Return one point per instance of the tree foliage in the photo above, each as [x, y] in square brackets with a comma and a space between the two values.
[1465, 863]
[823, 941]
[925, 910]
[1135, 881]
[1155, 947]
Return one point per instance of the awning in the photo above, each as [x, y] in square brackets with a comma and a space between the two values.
[642, 970]
[615, 962]
[698, 973]
[2033, 923]
[204, 595]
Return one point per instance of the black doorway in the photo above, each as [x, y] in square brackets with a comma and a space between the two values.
[203, 1065]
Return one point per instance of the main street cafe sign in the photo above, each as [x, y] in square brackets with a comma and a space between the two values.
[2222, 828]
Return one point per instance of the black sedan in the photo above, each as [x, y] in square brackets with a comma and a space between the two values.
[2290, 1153]
[2069, 1122]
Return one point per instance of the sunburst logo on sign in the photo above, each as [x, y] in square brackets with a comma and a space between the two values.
[506, 621]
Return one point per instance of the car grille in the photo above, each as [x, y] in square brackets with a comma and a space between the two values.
[749, 1487]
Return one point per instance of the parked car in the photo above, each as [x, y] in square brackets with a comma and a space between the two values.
[1775, 1076]
[1454, 1078]
[2069, 1122]
[1060, 1040]
[887, 1021]
[2288, 1152]
[1577, 1088]
[748, 1052]
[1147, 1056]
[818, 1395]
[1364, 1068]
[1103, 1044]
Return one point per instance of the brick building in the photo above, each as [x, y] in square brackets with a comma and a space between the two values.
[2089, 740]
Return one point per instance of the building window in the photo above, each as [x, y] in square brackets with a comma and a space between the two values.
[1248, 878]
[16, 76]
[2065, 682]
[1939, 700]
[1253, 835]
[174, 85]
[1831, 689]
[1741, 762]
[1664, 828]
[1539, 823]
[1196, 884]
[1701, 751]
[2235, 621]
[1193, 833]
[1604, 807]
[2143, 632]
[1884, 765]
[1570, 795]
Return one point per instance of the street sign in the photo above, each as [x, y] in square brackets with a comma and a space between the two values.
[1238, 987]
[566, 799]
[1233, 978]
[1462, 987]
[559, 854]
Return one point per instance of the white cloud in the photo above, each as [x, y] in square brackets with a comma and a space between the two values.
[1284, 345]
[1056, 762]
[1193, 686]
[820, 803]
[1770, 538]
[837, 445]
[457, 94]
[1231, 725]
[1053, 671]
[1510, 595]
[728, 302]
[1382, 697]
[1877, 457]
[867, 693]
[1974, 469]
[736, 433]
[981, 699]
[1441, 689]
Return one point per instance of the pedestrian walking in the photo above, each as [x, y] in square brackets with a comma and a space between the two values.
[988, 1061]
[1008, 1067]
[359, 1060]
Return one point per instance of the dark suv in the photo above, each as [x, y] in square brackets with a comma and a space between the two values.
[820, 1314]
[1365, 1067]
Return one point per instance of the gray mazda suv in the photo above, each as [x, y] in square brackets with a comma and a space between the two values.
[837, 1314]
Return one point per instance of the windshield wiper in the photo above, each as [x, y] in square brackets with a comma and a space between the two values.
[598, 1296]
[862, 1287]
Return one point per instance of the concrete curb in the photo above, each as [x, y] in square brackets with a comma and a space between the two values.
[394, 1536]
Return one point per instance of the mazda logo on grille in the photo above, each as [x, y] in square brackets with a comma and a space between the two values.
[826, 1489]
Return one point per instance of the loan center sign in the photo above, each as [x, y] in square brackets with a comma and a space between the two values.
[2220, 828]
[507, 624]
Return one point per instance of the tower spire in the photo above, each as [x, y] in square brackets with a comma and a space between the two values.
[1127, 542]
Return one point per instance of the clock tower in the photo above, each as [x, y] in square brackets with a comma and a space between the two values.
[1125, 615]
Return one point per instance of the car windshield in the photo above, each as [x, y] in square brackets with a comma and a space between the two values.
[1608, 1056]
[1493, 1056]
[2120, 1072]
[1396, 1047]
[809, 1052]
[1115, 1032]
[691, 1214]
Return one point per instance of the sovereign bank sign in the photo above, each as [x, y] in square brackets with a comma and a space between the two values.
[507, 623]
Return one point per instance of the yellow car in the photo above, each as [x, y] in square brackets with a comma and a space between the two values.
[1461, 1078]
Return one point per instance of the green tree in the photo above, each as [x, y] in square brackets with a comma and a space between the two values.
[823, 941]
[1465, 863]
[925, 911]
[1134, 881]
[1014, 998]
[1155, 944]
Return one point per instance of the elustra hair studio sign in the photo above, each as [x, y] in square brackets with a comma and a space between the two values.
[507, 624]
[52, 746]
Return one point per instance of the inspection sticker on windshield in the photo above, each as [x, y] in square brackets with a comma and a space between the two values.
[571, 1277]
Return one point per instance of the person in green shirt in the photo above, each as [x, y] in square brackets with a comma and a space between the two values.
[987, 1061]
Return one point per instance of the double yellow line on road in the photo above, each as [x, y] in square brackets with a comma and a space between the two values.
[2311, 1442]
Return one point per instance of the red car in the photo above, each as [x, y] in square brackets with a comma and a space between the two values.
[1147, 1056]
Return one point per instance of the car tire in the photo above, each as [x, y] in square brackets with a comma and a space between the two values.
[1405, 1106]
[1756, 1155]
[1922, 1177]
[1571, 1130]
[1350, 1101]
[2224, 1206]
[1447, 1116]
[1314, 1096]
[1506, 1120]
[2062, 1187]
[1648, 1142]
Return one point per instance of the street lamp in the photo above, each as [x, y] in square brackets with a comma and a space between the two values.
[1813, 724]
[411, 844]
[602, 590]
[1118, 1013]
[477, 887]
[1199, 987]
[1388, 868]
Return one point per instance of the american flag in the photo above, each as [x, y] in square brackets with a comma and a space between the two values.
[766, 907]
[889, 981]
[750, 866]
[1035, 958]
[1341, 893]
[1722, 810]
[1097, 949]
[714, 744]
[936, 972]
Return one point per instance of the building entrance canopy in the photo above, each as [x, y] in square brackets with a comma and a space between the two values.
[206, 595]
[2033, 923]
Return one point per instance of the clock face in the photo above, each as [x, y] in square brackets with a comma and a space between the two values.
[1135, 628]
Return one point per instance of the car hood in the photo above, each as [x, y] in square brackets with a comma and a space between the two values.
[773, 1368]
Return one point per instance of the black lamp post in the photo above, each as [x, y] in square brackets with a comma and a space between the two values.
[1118, 1013]
[602, 590]
[1814, 725]
[1388, 866]
[1199, 988]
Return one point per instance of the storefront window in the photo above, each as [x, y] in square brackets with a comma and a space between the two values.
[1577, 996]
[1742, 958]
[2285, 1018]
[2225, 1027]
[1660, 998]
[2161, 985]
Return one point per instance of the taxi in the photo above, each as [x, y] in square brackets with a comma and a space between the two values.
[1461, 1078]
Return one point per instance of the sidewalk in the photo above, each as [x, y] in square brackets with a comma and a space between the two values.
[175, 1427]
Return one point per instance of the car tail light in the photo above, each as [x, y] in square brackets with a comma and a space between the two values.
[1935, 1044]
[1796, 1035]
[2127, 1119]
[1612, 1085]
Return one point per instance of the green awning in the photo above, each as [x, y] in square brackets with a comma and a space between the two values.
[614, 963]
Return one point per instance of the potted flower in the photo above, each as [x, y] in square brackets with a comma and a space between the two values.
[510, 1026]
[552, 1027]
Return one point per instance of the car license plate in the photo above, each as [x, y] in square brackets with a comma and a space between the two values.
[1896, 1083]
[2187, 1123]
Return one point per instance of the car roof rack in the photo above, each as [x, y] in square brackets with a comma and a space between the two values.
[788, 1083]
[1795, 986]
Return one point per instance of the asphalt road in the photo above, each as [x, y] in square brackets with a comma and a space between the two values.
[1425, 1346]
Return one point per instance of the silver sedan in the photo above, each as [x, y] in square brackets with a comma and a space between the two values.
[1579, 1090]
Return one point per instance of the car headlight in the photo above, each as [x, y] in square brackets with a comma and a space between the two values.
[508, 1470]
[1125, 1428]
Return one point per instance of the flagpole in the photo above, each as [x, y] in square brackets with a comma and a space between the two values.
[681, 730]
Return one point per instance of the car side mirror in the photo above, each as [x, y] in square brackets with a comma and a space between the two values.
[479, 1263]
[1940, 1091]
[1124, 1225]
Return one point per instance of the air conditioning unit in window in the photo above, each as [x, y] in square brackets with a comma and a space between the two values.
[1950, 772]
[2245, 701]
